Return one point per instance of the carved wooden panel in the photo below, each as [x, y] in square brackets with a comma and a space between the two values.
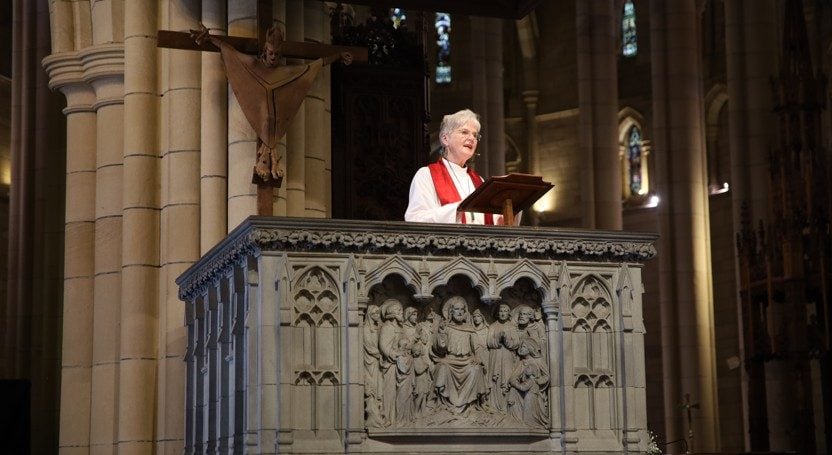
[377, 140]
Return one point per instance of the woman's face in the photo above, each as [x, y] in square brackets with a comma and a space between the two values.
[477, 318]
[461, 142]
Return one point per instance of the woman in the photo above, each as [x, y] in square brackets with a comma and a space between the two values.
[437, 189]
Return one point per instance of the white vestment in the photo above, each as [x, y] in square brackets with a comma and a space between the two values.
[424, 204]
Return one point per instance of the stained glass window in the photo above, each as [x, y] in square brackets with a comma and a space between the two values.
[634, 158]
[629, 39]
[397, 16]
[443, 45]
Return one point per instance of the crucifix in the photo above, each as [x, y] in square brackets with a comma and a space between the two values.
[687, 406]
[269, 94]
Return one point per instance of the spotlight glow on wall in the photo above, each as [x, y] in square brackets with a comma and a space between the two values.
[653, 201]
[5, 172]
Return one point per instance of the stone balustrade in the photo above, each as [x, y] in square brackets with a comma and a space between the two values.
[332, 336]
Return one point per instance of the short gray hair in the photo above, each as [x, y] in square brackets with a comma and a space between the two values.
[453, 121]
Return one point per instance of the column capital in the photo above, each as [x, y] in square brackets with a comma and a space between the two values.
[88, 78]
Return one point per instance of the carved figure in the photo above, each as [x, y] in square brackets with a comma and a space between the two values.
[480, 328]
[527, 398]
[459, 381]
[405, 383]
[409, 326]
[388, 345]
[372, 371]
[423, 370]
[456, 370]
[526, 326]
[501, 341]
[269, 95]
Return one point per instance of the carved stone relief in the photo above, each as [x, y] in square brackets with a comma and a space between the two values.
[455, 361]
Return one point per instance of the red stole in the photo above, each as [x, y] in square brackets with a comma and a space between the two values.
[446, 190]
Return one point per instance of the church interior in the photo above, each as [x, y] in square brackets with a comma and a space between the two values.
[124, 160]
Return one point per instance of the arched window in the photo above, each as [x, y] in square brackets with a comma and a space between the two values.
[629, 38]
[443, 48]
[397, 16]
[634, 153]
[634, 158]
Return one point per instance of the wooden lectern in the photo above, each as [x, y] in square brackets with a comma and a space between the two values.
[506, 194]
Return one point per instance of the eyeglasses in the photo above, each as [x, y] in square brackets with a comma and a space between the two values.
[473, 134]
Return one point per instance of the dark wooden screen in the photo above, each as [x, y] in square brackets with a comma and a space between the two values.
[379, 118]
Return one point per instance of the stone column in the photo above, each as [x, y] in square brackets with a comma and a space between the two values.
[242, 141]
[479, 89]
[494, 126]
[109, 108]
[140, 240]
[487, 93]
[687, 316]
[316, 120]
[180, 215]
[66, 71]
[76, 359]
[296, 132]
[598, 119]
[751, 56]
[214, 135]
[36, 196]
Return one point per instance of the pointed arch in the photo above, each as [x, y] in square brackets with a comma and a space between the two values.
[459, 266]
[634, 156]
[394, 266]
[524, 269]
[716, 136]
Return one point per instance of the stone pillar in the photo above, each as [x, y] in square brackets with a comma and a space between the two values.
[109, 109]
[214, 135]
[180, 215]
[751, 62]
[687, 315]
[242, 141]
[494, 125]
[751, 56]
[140, 240]
[598, 119]
[76, 359]
[30, 349]
[487, 93]
[316, 120]
[479, 89]
[65, 69]
[296, 132]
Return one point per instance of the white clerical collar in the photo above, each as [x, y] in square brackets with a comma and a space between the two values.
[455, 167]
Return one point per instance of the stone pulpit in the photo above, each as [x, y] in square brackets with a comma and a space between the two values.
[332, 336]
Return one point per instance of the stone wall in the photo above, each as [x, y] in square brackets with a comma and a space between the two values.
[325, 336]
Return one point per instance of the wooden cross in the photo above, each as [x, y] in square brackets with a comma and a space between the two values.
[181, 40]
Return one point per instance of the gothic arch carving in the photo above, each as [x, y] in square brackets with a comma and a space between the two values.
[395, 265]
[524, 269]
[459, 266]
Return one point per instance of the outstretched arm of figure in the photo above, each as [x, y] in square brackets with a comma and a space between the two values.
[202, 35]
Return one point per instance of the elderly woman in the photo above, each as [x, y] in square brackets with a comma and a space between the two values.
[437, 189]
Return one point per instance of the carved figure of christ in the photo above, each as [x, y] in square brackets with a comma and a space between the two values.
[269, 95]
